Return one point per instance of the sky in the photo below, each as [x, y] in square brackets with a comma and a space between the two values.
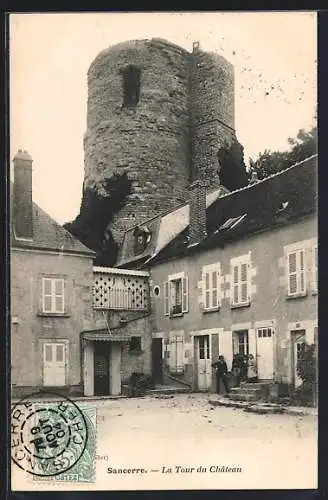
[273, 53]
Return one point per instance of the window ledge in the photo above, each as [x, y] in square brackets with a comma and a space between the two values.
[176, 315]
[296, 296]
[213, 309]
[54, 315]
[237, 306]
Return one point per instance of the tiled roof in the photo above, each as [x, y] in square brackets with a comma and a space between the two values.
[275, 200]
[48, 235]
[163, 228]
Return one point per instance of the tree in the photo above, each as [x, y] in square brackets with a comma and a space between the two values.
[98, 206]
[233, 173]
[271, 162]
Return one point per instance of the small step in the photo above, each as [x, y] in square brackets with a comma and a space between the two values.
[169, 390]
[242, 396]
[246, 390]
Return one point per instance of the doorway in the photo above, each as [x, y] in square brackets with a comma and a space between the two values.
[157, 360]
[298, 344]
[240, 342]
[204, 362]
[101, 368]
[264, 346]
[54, 361]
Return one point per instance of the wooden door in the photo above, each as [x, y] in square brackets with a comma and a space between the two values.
[265, 366]
[101, 368]
[54, 364]
[157, 361]
[204, 363]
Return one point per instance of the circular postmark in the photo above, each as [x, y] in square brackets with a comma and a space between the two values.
[47, 438]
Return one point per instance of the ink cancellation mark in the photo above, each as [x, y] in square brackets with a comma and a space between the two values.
[48, 439]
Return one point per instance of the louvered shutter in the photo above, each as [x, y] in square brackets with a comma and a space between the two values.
[173, 355]
[179, 355]
[244, 282]
[292, 273]
[185, 294]
[166, 298]
[207, 290]
[301, 265]
[315, 269]
[214, 294]
[235, 284]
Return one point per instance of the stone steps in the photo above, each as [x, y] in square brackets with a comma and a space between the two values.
[169, 390]
[250, 392]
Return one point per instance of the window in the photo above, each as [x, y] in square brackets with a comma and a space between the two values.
[230, 223]
[211, 287]
[131, 86]
[53, 295]
[204, 347]
[296, 284]
[240, 281]
[176, 362]
[240, 342]
[176, 295]
[264, 332]
[135, 344]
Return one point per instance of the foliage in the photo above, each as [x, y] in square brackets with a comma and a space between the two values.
[307, 371]
[233, 174]
[139, 383]
[98, 206]
[271, 162]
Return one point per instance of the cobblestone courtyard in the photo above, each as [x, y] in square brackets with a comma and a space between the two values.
[166, 435]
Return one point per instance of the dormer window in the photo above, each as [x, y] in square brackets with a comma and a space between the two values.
[131, 86]
[283, 205]
[142, 237]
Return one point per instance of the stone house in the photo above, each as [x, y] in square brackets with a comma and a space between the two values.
[232, 272]
[64, 335]
[51, 299]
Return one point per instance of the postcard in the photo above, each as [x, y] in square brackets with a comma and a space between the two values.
[164, 290]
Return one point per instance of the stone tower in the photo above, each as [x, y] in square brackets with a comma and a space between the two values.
[158, 113]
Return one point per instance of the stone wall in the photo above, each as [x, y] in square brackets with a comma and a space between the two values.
[183, 98]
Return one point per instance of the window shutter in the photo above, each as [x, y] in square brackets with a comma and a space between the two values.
[244, 282]
[215, 281]
[302, 284]
[235, 285]
[206, 279]
[292, 273]
[315, 269]
[166, 298]
[179, 355]
[173, 354]
[225, 347]
[252, 342]
[185, 294]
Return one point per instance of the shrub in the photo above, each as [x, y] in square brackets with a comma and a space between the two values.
[307, 371]
[139, 383]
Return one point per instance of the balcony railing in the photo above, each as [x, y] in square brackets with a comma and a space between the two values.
[120, 289]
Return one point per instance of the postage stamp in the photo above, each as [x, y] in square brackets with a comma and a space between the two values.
[54, 439]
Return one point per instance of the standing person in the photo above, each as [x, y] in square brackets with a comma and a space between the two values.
[252, 369]
[221, 373]
[236, 368]
[245, 367]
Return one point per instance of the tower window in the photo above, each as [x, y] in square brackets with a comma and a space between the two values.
[131, 86]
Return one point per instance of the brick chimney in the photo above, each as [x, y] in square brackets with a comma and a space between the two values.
[22, 199]
[197, 212]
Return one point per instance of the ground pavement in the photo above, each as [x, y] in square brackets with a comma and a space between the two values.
[190, 444]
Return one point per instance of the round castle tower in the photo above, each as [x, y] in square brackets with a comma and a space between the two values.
[158, 113]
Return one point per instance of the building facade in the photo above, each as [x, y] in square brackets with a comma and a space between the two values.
[75, 328]
[247, 285]
[51, 294]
